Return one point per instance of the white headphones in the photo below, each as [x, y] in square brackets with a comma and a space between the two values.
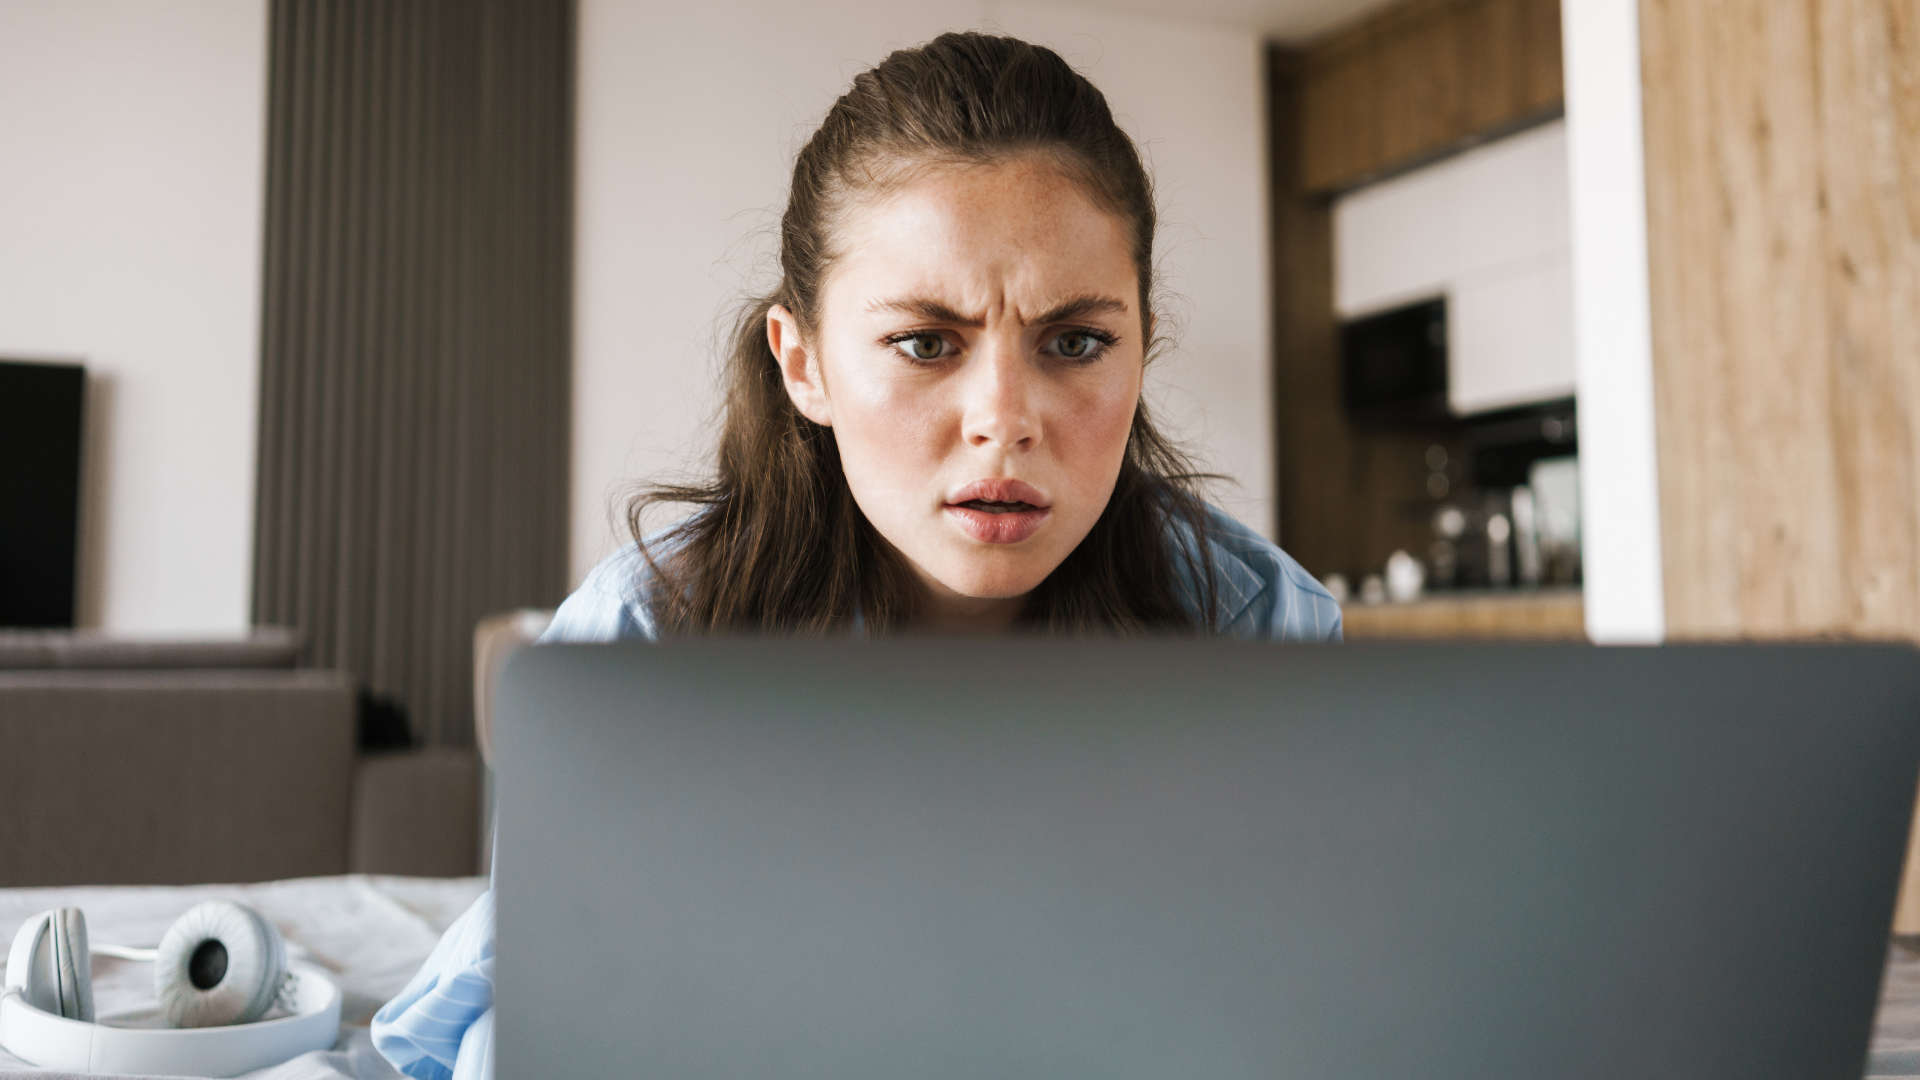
[220, 964]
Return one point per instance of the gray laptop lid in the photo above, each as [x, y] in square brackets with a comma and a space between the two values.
[1020, 859]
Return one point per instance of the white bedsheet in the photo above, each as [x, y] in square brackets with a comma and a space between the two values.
[371, 933]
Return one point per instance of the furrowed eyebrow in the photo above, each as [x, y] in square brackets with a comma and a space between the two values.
[930, 310]
[1080, 307]
[934, 311]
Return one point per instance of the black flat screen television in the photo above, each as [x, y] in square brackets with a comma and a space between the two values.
[41, 408]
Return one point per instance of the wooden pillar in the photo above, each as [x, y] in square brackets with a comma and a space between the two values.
[1783, 222]
[1783, 210]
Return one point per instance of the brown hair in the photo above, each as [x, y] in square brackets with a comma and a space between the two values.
[778, 544]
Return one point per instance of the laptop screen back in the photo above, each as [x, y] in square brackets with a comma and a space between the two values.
[1025, 859]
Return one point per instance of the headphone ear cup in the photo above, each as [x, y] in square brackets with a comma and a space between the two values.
[30, 963]
[221, 963]
[72, 964]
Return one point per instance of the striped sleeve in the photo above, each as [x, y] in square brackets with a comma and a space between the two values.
[609, 606]
[441, 1026]
[1264, 595]
[476, 1050]
[1311, 613]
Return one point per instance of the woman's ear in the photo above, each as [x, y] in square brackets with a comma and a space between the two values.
[799, 369]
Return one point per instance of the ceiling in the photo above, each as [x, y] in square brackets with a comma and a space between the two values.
[1291, 21]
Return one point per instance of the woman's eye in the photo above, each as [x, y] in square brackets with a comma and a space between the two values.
[922, 346]
[1074, 346]
[1078, 345]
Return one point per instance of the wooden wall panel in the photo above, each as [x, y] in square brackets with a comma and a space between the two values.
[1422, 79]
[1783, 203]
[1348, 496]
[1396, 89]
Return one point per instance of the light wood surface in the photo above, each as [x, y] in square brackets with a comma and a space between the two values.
[1546, 615]
[1423, 78]
[1783, 208]
[1783, 205]
[1906, 913]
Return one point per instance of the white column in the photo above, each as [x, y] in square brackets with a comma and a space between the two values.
[1613, 342]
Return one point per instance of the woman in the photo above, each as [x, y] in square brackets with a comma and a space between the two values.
[934, 424]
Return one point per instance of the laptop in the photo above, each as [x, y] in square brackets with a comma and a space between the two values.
[763, 860]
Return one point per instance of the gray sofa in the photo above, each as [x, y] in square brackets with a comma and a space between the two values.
[181, 762]
[173, 777]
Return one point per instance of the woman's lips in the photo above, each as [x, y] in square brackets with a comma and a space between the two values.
[998, 523]
[998, 511]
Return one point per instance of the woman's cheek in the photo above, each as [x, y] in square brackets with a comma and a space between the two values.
[1103, 419]
[898, 409]
[895, 425]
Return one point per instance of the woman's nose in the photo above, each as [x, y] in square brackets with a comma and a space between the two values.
[1000, 399]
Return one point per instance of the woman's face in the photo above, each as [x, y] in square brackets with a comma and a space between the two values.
[979, 357]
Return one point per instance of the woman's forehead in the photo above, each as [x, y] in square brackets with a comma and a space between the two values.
[970, 230]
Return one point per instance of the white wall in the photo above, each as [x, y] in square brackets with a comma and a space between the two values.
[131, 185]
[1613, 336]
[689, 117]
[131, 175]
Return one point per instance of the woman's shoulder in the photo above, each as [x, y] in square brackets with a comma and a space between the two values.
[614, 602]
[1262, 592]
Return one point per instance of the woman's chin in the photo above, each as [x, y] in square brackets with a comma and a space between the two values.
[948, 560]
[1000, 582]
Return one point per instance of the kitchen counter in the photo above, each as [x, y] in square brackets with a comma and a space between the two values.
[1557, 614]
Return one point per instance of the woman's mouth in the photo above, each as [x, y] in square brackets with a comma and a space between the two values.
[998, 511]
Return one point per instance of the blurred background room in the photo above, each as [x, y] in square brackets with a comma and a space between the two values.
[332, 334]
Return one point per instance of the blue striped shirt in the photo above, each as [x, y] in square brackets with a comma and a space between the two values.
[441, 1025]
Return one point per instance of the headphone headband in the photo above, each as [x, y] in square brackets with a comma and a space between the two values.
[55, 1042]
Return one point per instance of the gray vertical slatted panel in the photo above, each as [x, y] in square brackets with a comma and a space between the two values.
[415, 335]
